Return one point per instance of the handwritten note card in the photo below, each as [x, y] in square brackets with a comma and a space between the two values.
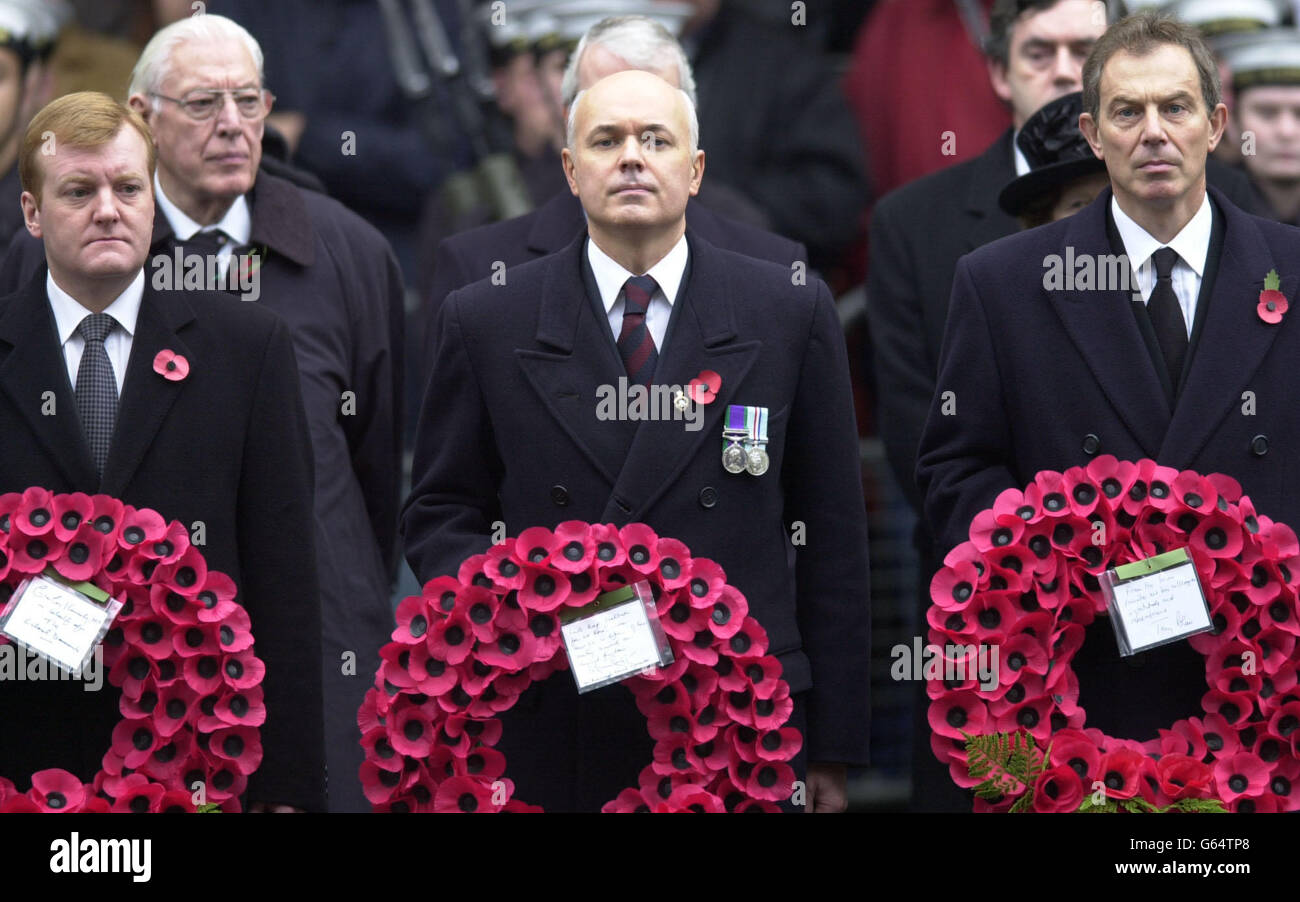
[57, 622]
[610, 645]
[1164, 606]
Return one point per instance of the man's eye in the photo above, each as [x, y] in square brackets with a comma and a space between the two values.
[131, 189]
[199, 105]
[249, 103]
[77, 192]
[1176, 108]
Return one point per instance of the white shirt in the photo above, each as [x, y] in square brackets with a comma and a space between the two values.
[68, 314]
[667, 273]
[1192, 245]
[237, 223]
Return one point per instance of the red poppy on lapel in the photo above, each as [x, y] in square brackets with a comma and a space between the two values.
[1272, 303]
[170, 365]
[704, 387]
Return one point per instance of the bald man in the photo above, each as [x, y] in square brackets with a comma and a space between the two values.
[517, 372]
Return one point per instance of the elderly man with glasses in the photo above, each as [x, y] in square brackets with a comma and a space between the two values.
[333, 279]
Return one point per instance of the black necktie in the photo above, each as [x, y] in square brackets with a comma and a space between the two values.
[1167, 316]
[635, 343]
[96, 386]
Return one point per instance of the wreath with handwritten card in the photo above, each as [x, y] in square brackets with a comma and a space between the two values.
[180, 650]
[1027, 582]
[468, 646]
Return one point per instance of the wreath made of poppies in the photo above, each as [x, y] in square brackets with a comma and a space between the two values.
[179, 649]
[468, 646]
[1027, 582]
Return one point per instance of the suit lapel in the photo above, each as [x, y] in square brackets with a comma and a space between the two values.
[1102, 326]
[146, 395]
[702, 338]
[985, 220]
[1232, 341]
[556, 223]
[35, 365]
[566, 381]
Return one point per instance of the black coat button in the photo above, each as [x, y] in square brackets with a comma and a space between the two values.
[1259, 445]
[560, 495]
[708, 497]
[1091, 444]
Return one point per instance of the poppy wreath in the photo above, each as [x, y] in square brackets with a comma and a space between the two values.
[180, 650]
[1027, 583]
[467, 647]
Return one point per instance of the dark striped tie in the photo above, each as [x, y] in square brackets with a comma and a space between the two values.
[635, 343]
[96, 386]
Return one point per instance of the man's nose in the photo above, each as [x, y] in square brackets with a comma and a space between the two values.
[1153, 127]
[228, 117]
[106, 209]
[633, 152]
[1067, 70]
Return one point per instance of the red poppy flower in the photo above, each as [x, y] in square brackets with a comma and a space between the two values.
[1242, 774]
[242, 670]
[32, 554]
[135, 740]
[173, 709]
[470, 795]
[1184, 739]
[483, 762]
[217, 596]
[706, 581]
[411, 731]
[181, 610]
[1184, 777]
[1272, 305]
[450, 639]
[170, 365]
[1013, 505]
[151, 634]
[1220, 737]
[1120, 771]
[536, 545]
[379, 785]
[240, 746]
[34, 514]
[1058, 790]
[674, 563]
[629, 801]
[544, 590]
[57, 791]
[193, 640]
[141, 527]
[71, 512]
[577, 549]
[771, 781]
[682, 621]
[958, 712]
[135, 794]
[703, 389]
[674, 753]
[692, 799]
[642, 547]
[610, 551]
[750, 639]
[989, 533]
[953, 587]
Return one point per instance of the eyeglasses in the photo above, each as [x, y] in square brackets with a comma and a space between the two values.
[204, 104]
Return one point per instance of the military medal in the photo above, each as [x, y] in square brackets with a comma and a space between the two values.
[734, 431]
[745, 440]
[756, 460]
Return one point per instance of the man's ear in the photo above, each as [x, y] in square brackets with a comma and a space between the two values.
[566, 160]
[141, 105]
[1088, 126]
[1218, 121]
[697, 172]
[998, 78]
[31, 214]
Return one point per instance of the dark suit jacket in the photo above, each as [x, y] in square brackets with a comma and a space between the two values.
[1036, 372]
[509, 432]
[918, 232]
[228, 446]
[334, 281]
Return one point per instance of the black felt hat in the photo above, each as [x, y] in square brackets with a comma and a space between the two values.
[1056, 150]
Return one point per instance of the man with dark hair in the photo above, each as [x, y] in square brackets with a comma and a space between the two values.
[917, 234]
[1266, 107]
[1047, 378]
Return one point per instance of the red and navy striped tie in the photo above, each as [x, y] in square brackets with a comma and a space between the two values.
[635, 343]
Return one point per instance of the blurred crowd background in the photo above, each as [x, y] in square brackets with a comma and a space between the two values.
[430, 117]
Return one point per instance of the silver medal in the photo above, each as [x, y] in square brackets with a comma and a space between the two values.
[734, 459]
[756, 461]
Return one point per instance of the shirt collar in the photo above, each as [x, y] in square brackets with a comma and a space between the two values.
[1192, 243]
[1022, 162]
[237, 223]
[68, 312]
[610, 275]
